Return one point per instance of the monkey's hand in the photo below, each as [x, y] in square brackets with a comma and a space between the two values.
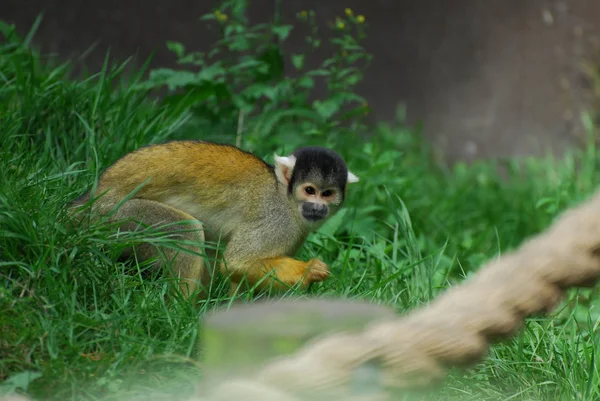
[317, 270]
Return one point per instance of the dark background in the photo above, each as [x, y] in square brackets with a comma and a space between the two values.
[486, 77]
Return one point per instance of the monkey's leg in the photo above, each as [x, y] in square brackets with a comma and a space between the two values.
[188, 267]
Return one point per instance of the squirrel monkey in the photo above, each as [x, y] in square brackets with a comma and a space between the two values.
[262, 212]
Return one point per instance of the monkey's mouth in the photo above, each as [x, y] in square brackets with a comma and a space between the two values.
[313, 216]
[314, 211]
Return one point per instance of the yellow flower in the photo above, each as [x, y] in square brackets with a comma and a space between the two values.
[360, 19]
[302, 14]
[220, 16]
[340, 25]
[348, 12]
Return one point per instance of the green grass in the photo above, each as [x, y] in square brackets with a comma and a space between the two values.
[87, 327]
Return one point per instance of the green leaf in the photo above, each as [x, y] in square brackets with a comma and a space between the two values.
[174, 80]
[353, 79]
[319, 72]
[246, 65]
[274, 59]
[6, 29]
[211, 72]
[282, 31]
[326, 108]
[196, 58]
[235, 31]
[306, 82]
[192, 96]
[298, 61]
[176, 48]
[276, 117]
[258, 90]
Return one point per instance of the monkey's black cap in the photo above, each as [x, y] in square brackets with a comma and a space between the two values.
[314, 162]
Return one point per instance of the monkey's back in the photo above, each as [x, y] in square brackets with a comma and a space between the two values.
[191, 175]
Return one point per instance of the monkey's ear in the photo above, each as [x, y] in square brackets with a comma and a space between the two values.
[351, 177]
[284, 167]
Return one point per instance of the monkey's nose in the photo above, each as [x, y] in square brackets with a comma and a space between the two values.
[314, 211]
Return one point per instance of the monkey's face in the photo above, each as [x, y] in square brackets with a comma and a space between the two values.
[317, 202]
[316, 180]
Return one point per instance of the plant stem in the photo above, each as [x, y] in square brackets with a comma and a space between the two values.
[240, 129]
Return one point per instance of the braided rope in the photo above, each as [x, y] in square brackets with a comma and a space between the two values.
[455, 330]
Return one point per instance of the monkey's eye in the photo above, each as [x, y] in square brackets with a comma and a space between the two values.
[327, 193]
[310, 190]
